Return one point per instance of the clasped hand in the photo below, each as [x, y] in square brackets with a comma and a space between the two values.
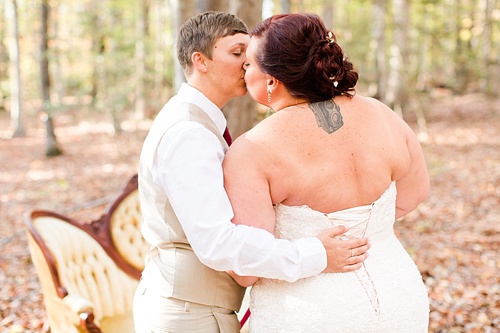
[343, 255]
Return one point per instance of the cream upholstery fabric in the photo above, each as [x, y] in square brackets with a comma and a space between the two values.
[126, 231]
[91, 278]
[123, 323]
[63, 314]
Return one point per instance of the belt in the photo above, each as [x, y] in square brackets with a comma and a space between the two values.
[154, 250]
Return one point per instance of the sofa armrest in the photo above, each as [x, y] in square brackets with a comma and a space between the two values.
[78, 304]
[83, 312]
[88, 324]
[70, 314]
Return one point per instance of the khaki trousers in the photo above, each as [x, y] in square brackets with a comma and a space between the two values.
[157, 314]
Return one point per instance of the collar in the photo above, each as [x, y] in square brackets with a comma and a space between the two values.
[192, 95]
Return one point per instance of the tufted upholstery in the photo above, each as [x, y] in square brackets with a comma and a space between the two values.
[89, 272]
[125, 221]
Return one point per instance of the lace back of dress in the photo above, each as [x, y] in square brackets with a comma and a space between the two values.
[364, 276]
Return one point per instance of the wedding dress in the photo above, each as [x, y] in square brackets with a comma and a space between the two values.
[385, 295]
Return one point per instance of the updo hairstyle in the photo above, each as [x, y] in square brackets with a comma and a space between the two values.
[299, 51]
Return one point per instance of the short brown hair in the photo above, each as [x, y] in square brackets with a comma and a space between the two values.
[199, 34]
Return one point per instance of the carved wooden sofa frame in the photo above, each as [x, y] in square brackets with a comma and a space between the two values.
[89, 271]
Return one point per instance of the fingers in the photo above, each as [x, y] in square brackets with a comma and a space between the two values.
[354, 262]
[343, 255]
[357, 251]
[356, 242]
[357, 259]
[335, 231]
[350, 268]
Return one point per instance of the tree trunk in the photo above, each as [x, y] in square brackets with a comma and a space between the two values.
[397, 79]
[379, 11]
[241, 112]
[56, 84]
[182, 10]
[215, 5]
[98, 49]
[463, 45]
[140, 59]
[424, 57]
[115, 94]
[328, 9]
[487, 86]
[4, 57]
[51, 148]
[286, 6]
[16, 119]
[160, 45]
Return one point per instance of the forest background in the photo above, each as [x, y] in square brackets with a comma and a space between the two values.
[81, 81]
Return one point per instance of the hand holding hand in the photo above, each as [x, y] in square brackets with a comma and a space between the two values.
[343, 255]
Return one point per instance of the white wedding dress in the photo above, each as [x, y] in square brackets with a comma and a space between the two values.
[385, 295]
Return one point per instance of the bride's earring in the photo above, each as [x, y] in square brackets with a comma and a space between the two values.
[269, 95]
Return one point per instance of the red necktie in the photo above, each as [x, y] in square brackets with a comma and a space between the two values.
[227, 137]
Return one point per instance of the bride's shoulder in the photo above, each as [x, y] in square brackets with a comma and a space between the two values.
[252, 143]
[263, 132]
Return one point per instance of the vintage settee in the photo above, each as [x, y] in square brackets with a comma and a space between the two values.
[89, 271]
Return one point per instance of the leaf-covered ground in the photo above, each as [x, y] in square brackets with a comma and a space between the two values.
[454, 236]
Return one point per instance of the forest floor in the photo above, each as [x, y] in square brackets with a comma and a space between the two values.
[454, 236]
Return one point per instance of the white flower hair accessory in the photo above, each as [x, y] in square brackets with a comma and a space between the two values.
[330, 37]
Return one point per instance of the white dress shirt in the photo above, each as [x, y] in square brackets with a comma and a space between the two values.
[188, 168]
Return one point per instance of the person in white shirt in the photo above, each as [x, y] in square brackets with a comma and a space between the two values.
[186, 212]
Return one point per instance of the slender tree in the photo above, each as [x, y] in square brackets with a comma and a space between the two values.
[140, 59]
[395, 95]
[328, 9]
[182, 10]
[487, 86]
[379, 13]
[4, 57]
[51, 147]
[97, 38]
[463, 46]
[17, 125]
[160, 44]
[216, 5]
[286, 6]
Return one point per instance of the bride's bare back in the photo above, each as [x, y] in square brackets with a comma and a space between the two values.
[337, 154]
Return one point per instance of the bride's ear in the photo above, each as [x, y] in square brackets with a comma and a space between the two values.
[272, 83]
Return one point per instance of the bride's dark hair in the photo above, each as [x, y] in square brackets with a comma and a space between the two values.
[299, 51]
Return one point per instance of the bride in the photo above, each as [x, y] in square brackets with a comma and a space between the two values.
[326, 157]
